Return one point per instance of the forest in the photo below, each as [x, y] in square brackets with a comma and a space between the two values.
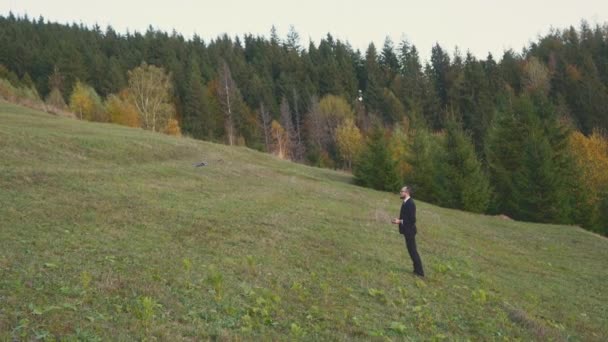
[521, 135]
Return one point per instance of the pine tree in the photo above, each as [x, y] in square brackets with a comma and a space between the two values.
[425, 153]
[328, 69]
[372, 93]
[193, 121]
[539, 181]
[475, 101]
[413, 82]
[375, 167]
[440, 68]
[462, 181]
[529, 164]
[504, 146]
[388, 61]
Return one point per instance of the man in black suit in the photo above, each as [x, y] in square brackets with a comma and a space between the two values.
[407, 227]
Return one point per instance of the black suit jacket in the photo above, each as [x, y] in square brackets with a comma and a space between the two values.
[408, 215]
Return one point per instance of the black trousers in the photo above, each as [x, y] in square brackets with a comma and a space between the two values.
[410, 243]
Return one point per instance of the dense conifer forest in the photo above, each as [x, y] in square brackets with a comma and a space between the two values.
[522, 134]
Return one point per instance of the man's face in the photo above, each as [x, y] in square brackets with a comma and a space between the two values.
[403, 193]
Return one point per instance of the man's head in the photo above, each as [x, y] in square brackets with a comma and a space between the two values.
[405, 192]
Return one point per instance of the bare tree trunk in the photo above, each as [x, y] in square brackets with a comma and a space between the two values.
[226, 88]
[314, 123]
[228, 111]
[287, 123]
[265, 117]
[299, 148]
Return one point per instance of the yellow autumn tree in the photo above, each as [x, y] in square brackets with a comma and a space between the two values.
[86, 104]
[173, 128]
[591, 154]
[279, 139]
[81, 102]
[55, 100]
[150, 89]
[536, 75]
[121, 110]
[399, 151]
[349, 141]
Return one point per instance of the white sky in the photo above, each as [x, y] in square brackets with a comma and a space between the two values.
[480, 26]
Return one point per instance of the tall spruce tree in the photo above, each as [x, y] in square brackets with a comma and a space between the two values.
[388, 61]
[504, 145]
[425, 153]
[372, 92]
[530, 167]
[475, 101]
[463, 184]
[375, 167]
[193, 117]
[440, 69]
[540, 182]
[413, 83]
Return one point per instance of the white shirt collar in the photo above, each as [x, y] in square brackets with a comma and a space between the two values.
[405, 200]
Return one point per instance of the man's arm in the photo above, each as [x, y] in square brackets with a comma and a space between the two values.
[413, 212]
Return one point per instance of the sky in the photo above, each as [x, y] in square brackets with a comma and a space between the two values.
[478, 26]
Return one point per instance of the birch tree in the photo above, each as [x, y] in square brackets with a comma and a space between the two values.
[299, 148]
[150, 90]
[287, 123]
[227, 95]
[279, 139]
[350, 142]
[265, 123]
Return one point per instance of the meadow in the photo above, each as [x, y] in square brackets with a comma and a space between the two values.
[109, 233]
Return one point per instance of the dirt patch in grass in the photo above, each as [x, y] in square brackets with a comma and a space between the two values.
[533, 325]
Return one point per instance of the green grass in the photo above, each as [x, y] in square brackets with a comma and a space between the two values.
[109, 233]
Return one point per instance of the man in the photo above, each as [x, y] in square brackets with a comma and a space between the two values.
[407, 227]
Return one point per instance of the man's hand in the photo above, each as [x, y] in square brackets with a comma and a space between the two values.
[395, 221]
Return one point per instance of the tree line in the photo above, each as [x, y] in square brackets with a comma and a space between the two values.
[522, 136]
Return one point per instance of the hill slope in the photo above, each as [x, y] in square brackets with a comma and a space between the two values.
[110, 233]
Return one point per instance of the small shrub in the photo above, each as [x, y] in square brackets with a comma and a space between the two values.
[216, 280]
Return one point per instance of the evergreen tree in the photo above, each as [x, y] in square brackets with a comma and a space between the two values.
[454, 82]
[413, 85]
[375, 167]
[462, 182]
[388, 61]
[562, 76]
[529, 164]
[440, 68]
[425, 153]
[475, 101]
[433, 113]
[504, 146]
[510, 70]
[391, 108]
[329, 82]
[372, 92]
[193, 117]
[539, 180]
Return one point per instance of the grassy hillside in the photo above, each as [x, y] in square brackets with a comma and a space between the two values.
[110, 233]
